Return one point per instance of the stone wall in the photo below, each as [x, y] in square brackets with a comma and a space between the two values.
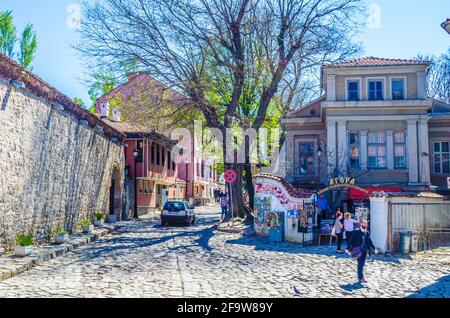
[53, 171]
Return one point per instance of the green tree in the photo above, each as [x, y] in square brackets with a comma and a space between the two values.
[8, 39]
[8, 34]
[79, 101]
[28, 47]
[229, 58]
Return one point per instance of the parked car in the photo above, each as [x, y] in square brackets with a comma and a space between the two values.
[177, 212]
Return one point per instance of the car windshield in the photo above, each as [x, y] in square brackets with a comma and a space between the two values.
[174, 206]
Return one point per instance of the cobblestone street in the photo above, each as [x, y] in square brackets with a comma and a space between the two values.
[143, 259]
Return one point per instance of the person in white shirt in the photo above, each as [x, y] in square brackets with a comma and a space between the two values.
[339, 227]
[348, 226]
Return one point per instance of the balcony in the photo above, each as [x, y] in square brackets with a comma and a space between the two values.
[420, 103]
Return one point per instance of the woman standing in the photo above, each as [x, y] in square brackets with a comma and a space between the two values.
[359, 246]
[339, 228]
[348, 226]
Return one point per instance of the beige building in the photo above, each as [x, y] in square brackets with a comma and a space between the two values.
[373, 123]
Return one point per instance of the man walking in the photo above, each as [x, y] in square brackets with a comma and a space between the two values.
[224, 206]
[359, 246]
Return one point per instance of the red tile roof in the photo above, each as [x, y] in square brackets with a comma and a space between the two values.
[132, 130]
[376, 61]
[10, 70]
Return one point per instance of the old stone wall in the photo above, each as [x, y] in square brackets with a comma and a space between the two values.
[53, 171]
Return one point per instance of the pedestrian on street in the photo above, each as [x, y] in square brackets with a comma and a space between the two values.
[359, 246]
[339, 229]
[349, 225]
[224, 206]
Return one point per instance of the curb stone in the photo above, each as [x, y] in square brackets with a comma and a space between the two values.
[11, 266]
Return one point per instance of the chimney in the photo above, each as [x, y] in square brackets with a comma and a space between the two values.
[104, 108]
[116, 115]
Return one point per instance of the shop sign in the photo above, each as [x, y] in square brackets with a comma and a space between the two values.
[341, 183]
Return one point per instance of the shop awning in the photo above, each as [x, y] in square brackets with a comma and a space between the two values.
[359, 195]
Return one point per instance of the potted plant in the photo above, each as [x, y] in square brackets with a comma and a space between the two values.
[87, 226]
[24, 245]
[99, 219]
[61, 236]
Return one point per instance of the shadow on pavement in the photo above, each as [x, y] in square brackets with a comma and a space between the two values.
[264, 244]
[440, 289]
[352, 287]
[121, 244]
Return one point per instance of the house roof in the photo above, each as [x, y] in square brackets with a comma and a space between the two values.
[143, 77]
[12, 71]
[375, 61]
[427, 195]
[296, 111]
[132, 130]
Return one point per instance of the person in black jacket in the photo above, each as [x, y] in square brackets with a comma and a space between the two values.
[361, 238]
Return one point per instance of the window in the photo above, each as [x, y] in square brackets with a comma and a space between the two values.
[146, 187]
[169, 160]
[140, 147]
[441, 157]
[399, 150]
[354, 144]
[158, 155]
[353, 90]
[376, 146]
[306, 158]
[174, 206]
[203, 169]
[398, 89]
[152, 155]
[163, 157]
[376, 90]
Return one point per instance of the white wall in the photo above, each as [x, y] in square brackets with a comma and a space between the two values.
[379, 222]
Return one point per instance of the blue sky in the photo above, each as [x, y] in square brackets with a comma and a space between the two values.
[402, 29]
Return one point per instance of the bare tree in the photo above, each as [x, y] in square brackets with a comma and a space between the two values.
[186, 43]
[438, 76]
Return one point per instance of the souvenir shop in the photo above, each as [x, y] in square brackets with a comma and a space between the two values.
[282, 213]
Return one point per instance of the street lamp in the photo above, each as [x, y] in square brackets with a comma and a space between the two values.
[319, 152]
[136, 155]
[320, 143]
[446, 25]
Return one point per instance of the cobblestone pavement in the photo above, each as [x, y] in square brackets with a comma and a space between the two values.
[143, 259]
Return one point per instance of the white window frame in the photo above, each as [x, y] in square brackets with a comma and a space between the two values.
[353, 79]
[440, 153]
[299, 141]
[405, 85]
[354, 132]
[406, 149]
[383, 79]
[385, 151]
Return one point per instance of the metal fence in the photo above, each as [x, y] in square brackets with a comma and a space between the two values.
[430, 220]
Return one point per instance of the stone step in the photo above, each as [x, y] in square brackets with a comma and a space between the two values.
[11, 266]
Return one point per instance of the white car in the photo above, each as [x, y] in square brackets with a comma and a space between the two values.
[177, 212]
